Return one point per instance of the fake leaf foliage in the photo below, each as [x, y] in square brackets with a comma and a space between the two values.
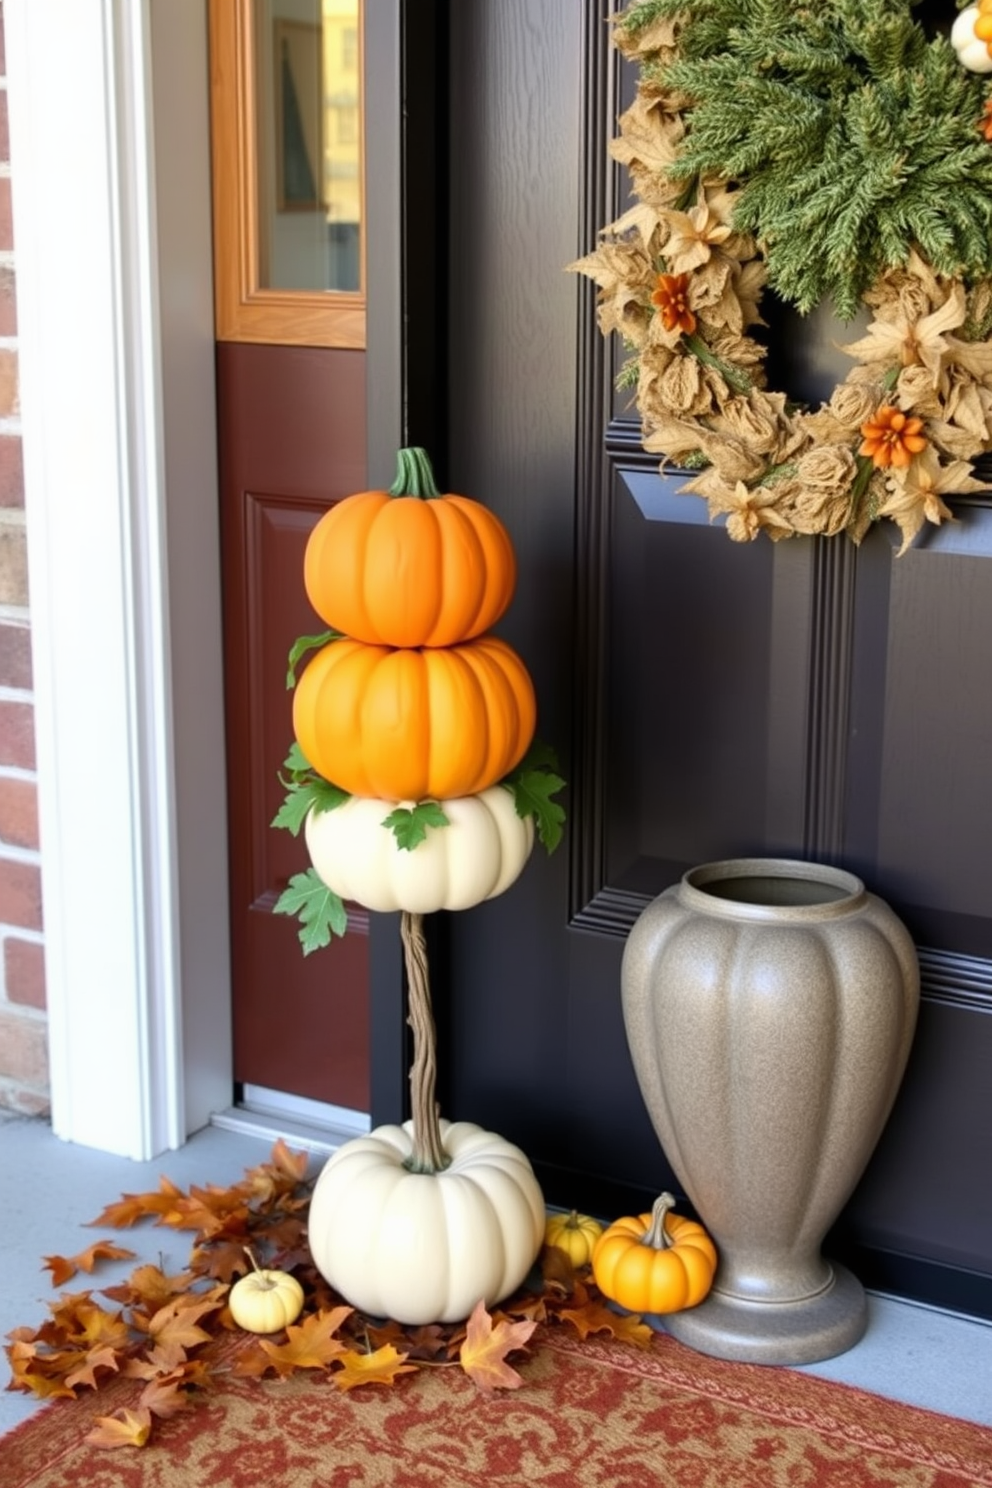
[156, 1342]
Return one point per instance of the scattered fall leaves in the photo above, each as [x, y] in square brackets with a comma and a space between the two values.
[174, 1336]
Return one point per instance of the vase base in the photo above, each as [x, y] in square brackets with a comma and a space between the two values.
[775, 1332]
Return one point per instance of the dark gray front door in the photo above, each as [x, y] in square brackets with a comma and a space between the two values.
[708, 699]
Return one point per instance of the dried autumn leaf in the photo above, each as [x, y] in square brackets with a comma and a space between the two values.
[148, 1288]
[379, 1368]
[175, 1328]
[310, 1344]
[63, 1268]
[97, 1358]
[166, 1395]
[483, 1354]
[220, 1260]
[629, 1328]
[125, 1428]
[132, 1207]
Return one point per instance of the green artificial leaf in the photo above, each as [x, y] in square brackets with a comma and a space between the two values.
[305, 791]
[319, 910]
[533, 783]
[409, 824]
[301, 646]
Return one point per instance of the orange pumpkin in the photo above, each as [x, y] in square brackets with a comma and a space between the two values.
[409, 567]
[657, 1262]
[408, 724]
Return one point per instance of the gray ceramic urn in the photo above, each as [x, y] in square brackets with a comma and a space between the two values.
[770, 1006]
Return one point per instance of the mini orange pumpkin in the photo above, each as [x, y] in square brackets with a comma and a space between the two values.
[405, 725]
[657, 1262]
[409, 567]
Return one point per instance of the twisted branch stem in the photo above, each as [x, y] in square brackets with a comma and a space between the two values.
[429, 1155]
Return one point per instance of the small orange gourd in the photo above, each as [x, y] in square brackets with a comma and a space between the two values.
[410, 567]
[657, 1262]
[407, 725]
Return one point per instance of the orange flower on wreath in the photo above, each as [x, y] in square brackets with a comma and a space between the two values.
[671, 296]
[985, 122]
[892, 438]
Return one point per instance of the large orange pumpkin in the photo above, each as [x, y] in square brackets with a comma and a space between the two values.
[408, 724]
[409, 567]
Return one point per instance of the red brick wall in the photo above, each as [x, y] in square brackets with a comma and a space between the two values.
[23, 1041]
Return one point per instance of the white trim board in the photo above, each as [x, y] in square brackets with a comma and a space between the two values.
[108, 109]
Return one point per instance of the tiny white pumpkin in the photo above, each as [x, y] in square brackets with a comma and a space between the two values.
[265, 1301]
[426, 1247]
[478, 855]
[972, 48]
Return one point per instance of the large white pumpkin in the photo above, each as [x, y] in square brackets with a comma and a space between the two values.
[426, 1247]
[478, 855]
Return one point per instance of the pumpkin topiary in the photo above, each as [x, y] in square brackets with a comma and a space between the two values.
[657, 1262]
[409, 724]
[408, 566]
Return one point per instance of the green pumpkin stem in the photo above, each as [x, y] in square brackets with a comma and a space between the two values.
[428, 1154]
[656, 1236]
[414, 475]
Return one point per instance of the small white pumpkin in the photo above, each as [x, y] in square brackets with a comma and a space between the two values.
[968, 40]
[426, 1247]
[478, 855]
[265, 1301]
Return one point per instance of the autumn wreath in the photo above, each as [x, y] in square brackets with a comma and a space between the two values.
[837, 154]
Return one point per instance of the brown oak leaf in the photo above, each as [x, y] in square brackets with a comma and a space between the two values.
[379, 1368]
[125, 1428]
[483, 1354]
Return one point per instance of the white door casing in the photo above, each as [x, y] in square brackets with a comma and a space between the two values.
[109, 122]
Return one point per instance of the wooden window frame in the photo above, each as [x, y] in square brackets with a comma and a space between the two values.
[243, 310]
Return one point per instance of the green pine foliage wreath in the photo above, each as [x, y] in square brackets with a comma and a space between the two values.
[836, 153]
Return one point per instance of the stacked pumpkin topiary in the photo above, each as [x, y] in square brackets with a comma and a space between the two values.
[411, 700]
[412, 780]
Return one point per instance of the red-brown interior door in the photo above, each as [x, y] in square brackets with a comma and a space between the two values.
[292, 440]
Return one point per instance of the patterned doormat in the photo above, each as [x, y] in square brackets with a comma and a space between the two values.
[590, 1414]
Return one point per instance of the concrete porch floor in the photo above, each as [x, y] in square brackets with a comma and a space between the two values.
[51, 1190]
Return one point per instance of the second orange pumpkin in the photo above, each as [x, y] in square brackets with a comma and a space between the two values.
[405, 725]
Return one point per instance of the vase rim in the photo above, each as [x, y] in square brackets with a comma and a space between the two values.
[827, 891]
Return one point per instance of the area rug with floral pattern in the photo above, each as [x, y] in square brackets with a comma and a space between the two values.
[591, 1413]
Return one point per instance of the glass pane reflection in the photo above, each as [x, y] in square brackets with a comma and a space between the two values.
[309, 124]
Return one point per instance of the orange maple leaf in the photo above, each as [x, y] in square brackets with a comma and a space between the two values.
[175, 1327]
[483, 1354]
[310, 1344]
[97, 1358]
[132, 1207]
[165, 1396]
[148, 1288]
[379, 1368]
[125, 1428]
[63, 1268]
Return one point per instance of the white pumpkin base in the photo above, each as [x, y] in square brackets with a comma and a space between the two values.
[426, 1247]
